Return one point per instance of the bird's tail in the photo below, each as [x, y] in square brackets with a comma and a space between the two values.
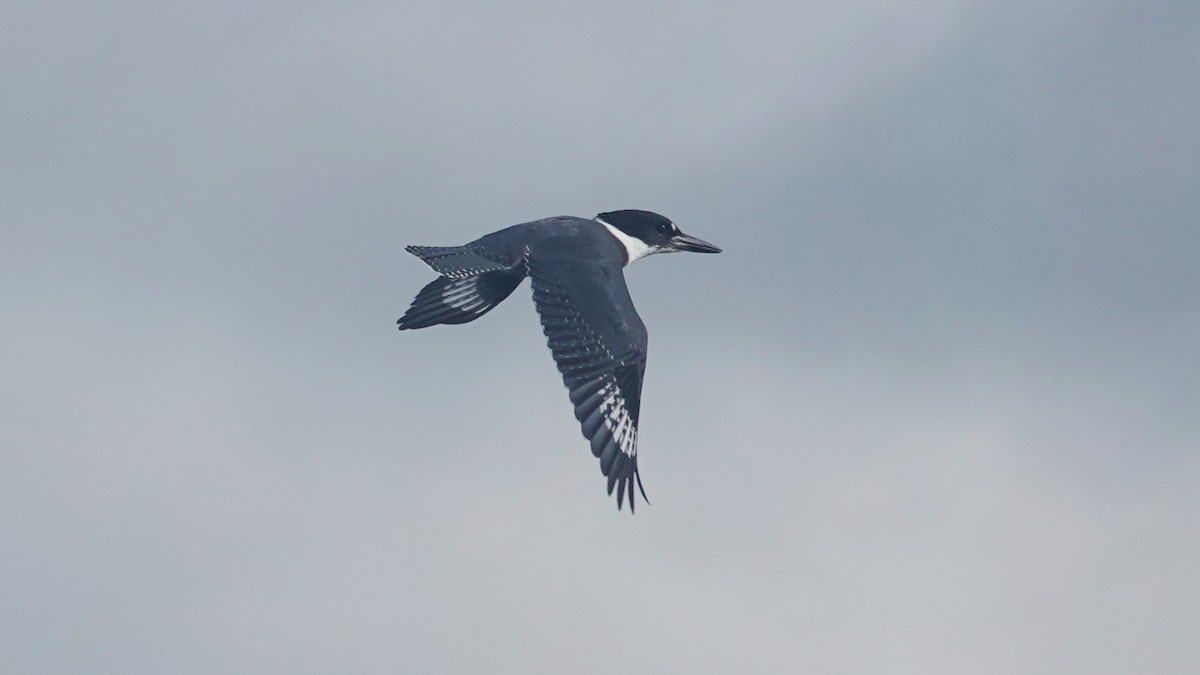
[456, 262]
[449, 300]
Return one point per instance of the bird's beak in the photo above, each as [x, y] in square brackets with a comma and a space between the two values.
[683, 242]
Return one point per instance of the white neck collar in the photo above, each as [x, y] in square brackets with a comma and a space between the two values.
[635, 249]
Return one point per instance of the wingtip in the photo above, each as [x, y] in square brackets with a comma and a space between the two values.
[638, 477]
[625, 488]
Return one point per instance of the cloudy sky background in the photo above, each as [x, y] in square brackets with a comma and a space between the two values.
[935, 409]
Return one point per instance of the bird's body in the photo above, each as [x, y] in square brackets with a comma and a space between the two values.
[596, 336]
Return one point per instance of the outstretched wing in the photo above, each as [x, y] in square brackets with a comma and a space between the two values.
[451, 300]
[470, 285]
[599, 344]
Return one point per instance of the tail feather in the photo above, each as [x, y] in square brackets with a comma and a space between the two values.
[449, 300]
[456, 262]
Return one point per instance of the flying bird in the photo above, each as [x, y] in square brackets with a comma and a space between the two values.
[595, 335]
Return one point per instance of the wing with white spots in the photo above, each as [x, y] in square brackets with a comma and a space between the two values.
[599, 344]
[450, 300]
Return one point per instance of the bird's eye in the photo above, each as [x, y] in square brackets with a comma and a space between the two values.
[665, 228]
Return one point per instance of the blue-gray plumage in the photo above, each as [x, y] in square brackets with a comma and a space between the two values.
[595, 335]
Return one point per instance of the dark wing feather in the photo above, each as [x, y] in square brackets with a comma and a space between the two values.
[451, 300]
[599, 344]
[470, 285]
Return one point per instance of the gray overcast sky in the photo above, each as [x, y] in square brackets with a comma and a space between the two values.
[935, 409]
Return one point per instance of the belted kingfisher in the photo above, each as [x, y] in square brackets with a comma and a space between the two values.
[595, 335]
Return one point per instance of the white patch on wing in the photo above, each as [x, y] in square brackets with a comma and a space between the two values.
[463, 296]
[618, 422]
[635, 249]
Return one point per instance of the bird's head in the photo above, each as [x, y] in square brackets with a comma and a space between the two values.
[644, 233]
